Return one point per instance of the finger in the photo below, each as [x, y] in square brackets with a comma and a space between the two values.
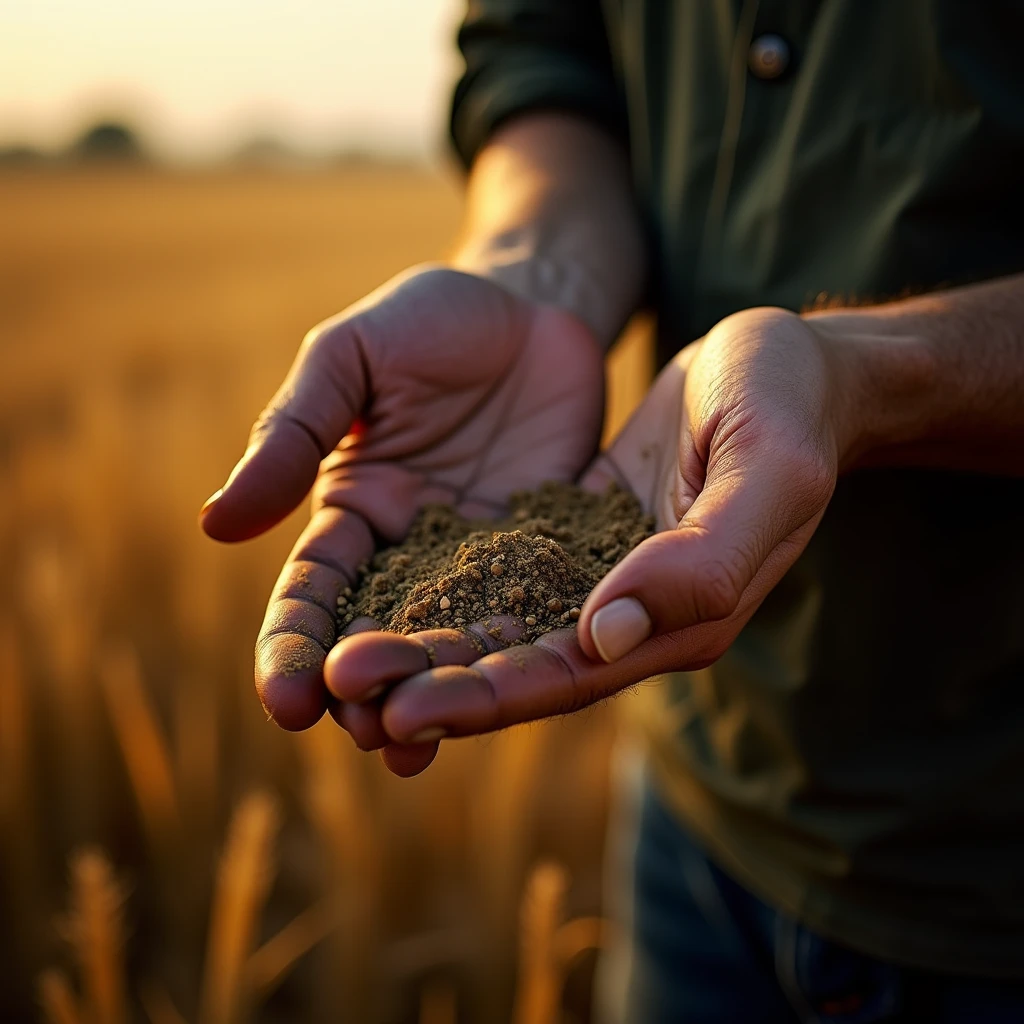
[549, 677]
[552, 676]
[362, 722]
[520, 684]
[324, 392]
[700, 572]
[362, 667]
[300, 624]
[407, 760]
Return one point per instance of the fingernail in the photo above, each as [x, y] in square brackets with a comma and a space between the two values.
[620, 626]
[211, 500]
[430, 735]
[374, 693]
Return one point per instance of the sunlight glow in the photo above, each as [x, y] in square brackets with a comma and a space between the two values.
[200, 76]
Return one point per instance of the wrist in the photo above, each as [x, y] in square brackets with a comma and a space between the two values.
[553, 271]
[883, 374]
[550, 215]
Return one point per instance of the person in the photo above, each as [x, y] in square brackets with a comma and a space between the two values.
[827, 195]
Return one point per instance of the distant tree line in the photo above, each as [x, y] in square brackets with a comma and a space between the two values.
[103, 142]
[110, 141]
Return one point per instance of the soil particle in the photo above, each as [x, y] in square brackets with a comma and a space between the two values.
[538, 563]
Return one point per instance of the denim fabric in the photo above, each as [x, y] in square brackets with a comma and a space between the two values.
[704, 949]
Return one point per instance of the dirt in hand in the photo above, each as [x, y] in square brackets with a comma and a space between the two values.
[539, 563]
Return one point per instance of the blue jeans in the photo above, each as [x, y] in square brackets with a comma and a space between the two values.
[703, 949]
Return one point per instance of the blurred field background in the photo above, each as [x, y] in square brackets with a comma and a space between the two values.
[168, 855]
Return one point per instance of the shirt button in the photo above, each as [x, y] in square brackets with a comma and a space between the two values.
[768, 57]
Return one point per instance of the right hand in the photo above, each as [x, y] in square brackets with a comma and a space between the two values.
[439, 387]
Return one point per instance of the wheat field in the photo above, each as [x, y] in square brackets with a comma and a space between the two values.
[167, 854]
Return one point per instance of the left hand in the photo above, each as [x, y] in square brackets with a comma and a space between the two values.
[465, 392]
[735, 450]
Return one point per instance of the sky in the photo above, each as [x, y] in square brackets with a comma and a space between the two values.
[199, 77]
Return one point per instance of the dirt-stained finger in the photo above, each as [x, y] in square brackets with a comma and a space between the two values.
[300, 624]
[550, 677]
[522, 683]
[363, 666]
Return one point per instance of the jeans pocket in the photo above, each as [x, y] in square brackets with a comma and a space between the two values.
[827, 983]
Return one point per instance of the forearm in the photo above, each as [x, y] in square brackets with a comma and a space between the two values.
[936, 380]
[550, 215]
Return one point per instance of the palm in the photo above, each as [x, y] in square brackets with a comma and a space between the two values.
[482, 394]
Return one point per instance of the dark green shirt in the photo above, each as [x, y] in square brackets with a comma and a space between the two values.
[857, 757]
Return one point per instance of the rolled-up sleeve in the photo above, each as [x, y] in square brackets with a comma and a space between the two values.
[533, 54]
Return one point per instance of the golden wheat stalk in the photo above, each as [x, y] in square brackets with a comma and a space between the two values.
[539, 993]
[347, 827]
[96, 931]
[58, 1001]
[143, 745]
[504, 796]
[269, 965]
[243, 882]
[508, 782]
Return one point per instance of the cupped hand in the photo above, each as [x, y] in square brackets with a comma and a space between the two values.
[735, 450]
[439, 387]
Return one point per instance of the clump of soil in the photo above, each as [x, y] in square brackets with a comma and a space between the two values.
[539, 563]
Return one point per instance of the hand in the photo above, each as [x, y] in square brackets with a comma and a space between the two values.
[439, 387]
[735, 450]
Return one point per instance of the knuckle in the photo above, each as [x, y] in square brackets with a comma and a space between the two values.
[319, 334]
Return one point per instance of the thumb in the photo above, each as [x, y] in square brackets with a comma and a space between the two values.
[315, 407]
[735, 542]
